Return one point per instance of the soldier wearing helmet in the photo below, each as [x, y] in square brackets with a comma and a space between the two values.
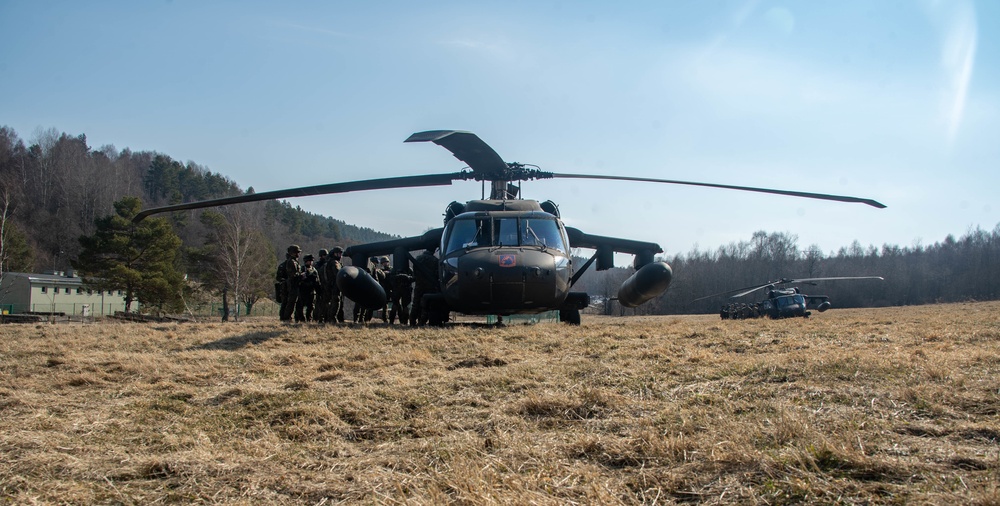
[402, 293]
[322, 295]
[384, 278]
[425, 273]
[307, 291]
[335, 308]
[289, 273]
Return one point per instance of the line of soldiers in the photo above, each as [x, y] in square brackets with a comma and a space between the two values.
[308, 291]
[740, 311]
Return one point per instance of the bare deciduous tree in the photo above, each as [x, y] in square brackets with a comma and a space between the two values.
[245, 256]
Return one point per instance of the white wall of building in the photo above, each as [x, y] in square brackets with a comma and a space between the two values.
[55, 293]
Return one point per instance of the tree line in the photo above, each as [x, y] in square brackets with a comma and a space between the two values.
[952, 270]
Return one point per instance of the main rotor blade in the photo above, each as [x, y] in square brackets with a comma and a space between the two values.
[820, 196]
[323, 189]
[467, 147]
[806, 280]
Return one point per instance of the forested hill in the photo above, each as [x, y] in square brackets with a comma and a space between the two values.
[53, 188]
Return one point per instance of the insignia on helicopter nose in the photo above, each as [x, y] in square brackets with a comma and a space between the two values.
[507, 260]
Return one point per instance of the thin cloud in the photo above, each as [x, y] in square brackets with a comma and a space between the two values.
[492, 48]
[956, 21]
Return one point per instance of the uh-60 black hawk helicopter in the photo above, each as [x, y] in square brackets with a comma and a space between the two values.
[500, 255]
[780, 302]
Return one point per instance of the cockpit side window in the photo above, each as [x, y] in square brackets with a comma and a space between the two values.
[463, 235]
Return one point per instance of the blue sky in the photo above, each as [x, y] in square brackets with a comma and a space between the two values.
[891, 100]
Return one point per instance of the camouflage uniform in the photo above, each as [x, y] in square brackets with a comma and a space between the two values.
[402, 294]
[425, 274]
[384, 278]
[288, 274]
[335, 308]
[307, 291]
[322, 294]
[364, 314]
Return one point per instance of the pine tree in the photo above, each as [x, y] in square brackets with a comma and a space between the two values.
[138, 259]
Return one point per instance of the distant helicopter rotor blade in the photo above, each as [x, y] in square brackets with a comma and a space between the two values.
[761, 287]
[749, 289]
[807, 280]
[323, 189]
[820, 196]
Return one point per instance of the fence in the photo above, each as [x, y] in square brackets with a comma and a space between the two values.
[214, 309]
[64, 309]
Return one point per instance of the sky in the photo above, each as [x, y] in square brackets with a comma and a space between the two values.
[898, 101]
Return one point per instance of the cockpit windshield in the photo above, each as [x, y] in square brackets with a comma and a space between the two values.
[535, 232]
[511, 232]
[791, 300]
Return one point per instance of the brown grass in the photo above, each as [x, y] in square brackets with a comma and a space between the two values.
[852, 406]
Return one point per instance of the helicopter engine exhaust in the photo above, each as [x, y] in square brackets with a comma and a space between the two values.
[359, 286]
[648, 282]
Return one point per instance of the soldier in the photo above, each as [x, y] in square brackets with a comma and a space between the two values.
[322, 295]
[288, 275]
[364, 315]
[384, 279]
[307, 290]
[335, 310]
[425, 274]
[402, 294]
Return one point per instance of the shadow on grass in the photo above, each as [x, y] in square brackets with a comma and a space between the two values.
[237, 342]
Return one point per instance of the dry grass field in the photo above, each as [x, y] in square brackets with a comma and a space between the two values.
[895, 405]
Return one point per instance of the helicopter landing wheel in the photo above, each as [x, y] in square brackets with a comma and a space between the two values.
[437, 317]
[569, 316]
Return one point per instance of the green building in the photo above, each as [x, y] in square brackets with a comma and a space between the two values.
[57, 292]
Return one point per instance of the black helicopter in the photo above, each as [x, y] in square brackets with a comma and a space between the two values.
[500, 255]
[780, 302]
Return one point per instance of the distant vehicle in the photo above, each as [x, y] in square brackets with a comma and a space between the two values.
[780, 302]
